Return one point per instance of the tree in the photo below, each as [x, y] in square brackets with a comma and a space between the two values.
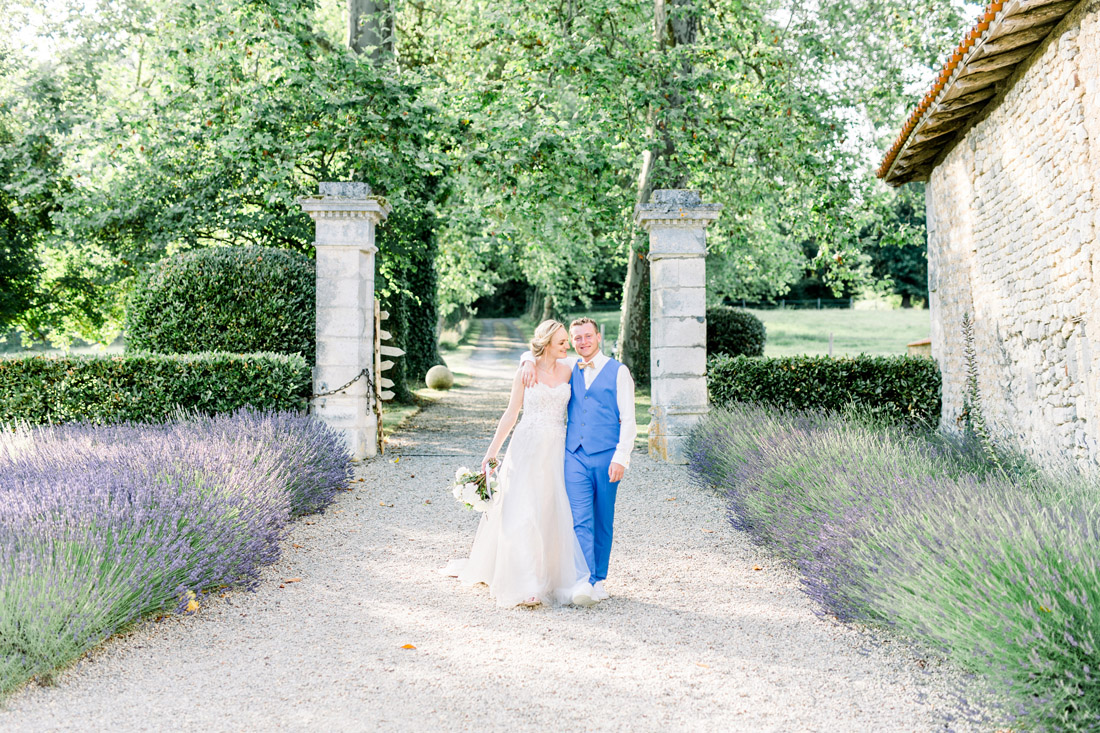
[570, 114]
[19, 266]
[673, 27]
[201, 124]
[409, 240]
[370, 29]
[514, 137]
[897, 241]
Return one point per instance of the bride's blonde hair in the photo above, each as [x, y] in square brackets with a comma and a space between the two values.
[543, 334]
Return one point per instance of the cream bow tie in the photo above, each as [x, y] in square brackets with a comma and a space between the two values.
[586, 365]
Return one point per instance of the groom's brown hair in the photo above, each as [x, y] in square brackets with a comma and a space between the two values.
[583, 320]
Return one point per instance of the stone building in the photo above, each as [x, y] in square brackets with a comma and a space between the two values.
[1008, 140]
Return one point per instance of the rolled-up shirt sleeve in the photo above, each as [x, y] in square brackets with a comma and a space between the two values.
[628, 424]
[527, 356]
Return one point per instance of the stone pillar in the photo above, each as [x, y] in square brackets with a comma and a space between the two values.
[346, 215]
[677, 221]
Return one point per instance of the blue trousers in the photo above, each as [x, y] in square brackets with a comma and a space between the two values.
[592, 499]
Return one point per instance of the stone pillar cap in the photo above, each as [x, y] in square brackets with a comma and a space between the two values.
[679, 205]
[346, 199]
[678, 196]
[345, 189]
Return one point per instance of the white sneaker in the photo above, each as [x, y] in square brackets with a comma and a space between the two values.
[582, 596]
[598, 592]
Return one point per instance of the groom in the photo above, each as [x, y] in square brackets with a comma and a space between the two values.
[598, 442]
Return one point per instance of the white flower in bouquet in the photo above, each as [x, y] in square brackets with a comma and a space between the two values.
[481, 505]
[456, 490]
[469, 493]
[462, 471]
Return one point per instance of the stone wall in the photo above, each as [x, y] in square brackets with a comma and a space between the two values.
[1013, 217]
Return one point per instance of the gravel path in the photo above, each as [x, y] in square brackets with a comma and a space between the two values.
[703, 632]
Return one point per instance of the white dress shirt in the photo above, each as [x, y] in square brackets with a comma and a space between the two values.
[624, 397]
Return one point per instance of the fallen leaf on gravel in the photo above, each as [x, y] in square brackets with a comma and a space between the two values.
[338, 511]
[671, 499]
[408, 646]
[309, 522]
[704, 666]
[757, 567]
[295, 545]
[427, 501]
[280, 585]
[711, 531]
[412, 475]
[382, 503]
[397, 460]
[192, 606]
[292, 580]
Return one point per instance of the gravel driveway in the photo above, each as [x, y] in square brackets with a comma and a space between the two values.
[703, 631]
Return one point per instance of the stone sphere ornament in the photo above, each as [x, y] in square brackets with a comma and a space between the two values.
[439, 377]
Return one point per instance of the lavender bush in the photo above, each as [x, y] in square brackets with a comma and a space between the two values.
[999, 568]
[101, 525]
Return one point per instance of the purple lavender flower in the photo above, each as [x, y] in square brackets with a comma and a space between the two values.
[101, 525]
[1000, 567]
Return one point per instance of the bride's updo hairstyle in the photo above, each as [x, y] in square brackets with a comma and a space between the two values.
[543, 334]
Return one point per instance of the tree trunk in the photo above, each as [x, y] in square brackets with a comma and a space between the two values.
[412, 319]
[370, 26]
[633, 346]
[535, 303]
[548, 309]
[669, 30]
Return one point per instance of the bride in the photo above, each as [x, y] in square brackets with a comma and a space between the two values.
[525, 549]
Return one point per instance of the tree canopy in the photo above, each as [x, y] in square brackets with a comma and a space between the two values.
[512, 137]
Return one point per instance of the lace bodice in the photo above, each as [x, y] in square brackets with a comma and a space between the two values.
[544, 407]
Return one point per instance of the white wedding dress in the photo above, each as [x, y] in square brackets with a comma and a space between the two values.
[525, 546]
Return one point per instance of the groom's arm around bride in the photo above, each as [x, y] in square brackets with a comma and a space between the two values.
[591, 360]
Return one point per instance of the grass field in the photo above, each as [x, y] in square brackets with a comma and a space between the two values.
[875, 332]
[795, 332]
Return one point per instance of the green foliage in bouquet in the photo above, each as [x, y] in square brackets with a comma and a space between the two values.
[475, 490]
[147, 387]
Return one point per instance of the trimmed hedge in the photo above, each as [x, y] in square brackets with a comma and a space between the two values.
[893, 387]
[147, 387]
[241, 300]
[733, 332]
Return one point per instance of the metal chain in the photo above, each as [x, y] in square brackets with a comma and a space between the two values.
[365, 374]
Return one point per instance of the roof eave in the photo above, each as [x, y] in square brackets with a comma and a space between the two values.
[1005, 36]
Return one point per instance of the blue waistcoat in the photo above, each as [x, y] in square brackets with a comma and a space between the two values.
[594, 412]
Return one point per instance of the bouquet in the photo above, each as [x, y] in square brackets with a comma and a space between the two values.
[473, 490]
